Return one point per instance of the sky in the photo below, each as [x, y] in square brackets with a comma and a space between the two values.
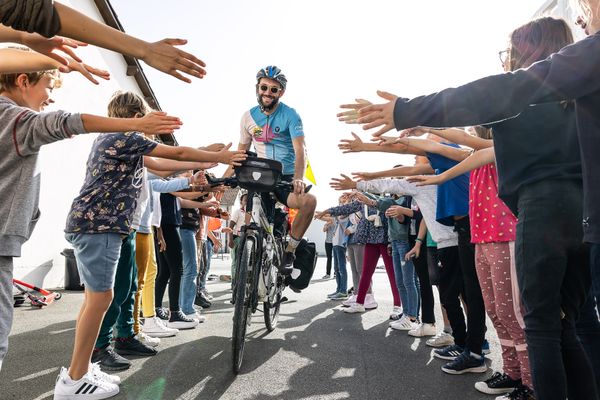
[331, 51]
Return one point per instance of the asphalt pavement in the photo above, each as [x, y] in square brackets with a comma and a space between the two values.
[316, 352]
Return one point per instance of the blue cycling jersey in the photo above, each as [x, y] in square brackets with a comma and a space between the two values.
[272, 134]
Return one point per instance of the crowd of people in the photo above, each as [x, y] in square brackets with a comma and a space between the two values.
[502, 190]
[499, 210]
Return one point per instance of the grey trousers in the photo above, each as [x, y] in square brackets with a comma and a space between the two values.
[356, 253]
[6, 303]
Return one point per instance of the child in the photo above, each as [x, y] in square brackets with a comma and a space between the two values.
[24, 130]
[100, 216]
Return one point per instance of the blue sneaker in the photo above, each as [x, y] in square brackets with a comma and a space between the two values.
[449, 352]
[465, 363]
[330, 295]
[485, 347]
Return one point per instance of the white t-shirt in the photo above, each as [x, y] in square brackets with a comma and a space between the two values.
[239, 217]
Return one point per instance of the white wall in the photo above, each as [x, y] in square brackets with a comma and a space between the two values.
[63, 163]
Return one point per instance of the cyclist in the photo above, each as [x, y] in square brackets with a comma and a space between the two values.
[276, 132]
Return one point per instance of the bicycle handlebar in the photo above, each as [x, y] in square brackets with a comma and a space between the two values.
[233, 182]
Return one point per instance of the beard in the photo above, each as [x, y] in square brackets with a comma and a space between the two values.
[267, 107]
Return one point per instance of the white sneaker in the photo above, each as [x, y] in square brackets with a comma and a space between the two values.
[351, 300]
[355, 308]
[98, 373]
[396, 313]
[206, 294]
[423, 330]
[156, 327]
[179, 320]
[88, 387]
[403, 324]
[442, 339]
[370, 303]
[147, 339]
[196, 317]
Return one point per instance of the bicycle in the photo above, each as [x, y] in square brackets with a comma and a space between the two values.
[258, 277]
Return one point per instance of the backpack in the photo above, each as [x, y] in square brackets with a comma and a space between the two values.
[305, 262]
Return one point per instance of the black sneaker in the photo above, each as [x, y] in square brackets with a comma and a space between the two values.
[498, 383]
[202, 301]
[162, 313]
[287, 264]
[109, 360]
[464, 363]
[449, 352]
[520, 393]
[132, 346]
[178, 320]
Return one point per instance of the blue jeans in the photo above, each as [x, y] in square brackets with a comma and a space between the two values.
[187, 293]
[208, 248]
[339, 261]
[406, 279]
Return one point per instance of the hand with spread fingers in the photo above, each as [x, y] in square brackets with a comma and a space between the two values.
[165, 57]
[425, 180]
[158, 122]
[351, 145]
[234, 158]
[50, 46]
[414, 132]
[343, 183]
[372, 116]
[87, 71]
[364, 176]
[351, 116]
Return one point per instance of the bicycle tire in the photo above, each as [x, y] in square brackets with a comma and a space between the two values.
[242, 308]
[271, 313]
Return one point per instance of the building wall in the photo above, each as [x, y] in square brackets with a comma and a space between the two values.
[62, 164]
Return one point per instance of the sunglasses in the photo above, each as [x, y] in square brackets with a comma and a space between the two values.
[272, 89]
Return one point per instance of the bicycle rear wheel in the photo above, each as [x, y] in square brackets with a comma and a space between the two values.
[243, 298]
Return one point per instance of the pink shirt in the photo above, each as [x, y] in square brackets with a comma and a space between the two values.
[491, 220]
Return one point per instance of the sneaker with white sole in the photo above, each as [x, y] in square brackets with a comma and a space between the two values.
[339, 296]
[178, 320]
[351, 300]
[206, 294]
[370, 303]
[88, 387]
[442, 339]
[156, 327]
[423, 329]
[498, 383]
[98, 373]
[396, 313]
[403, 324]
[467, 362]
[196, 316]
[330, 295]
[449, 353]
[147, 340]
[355, 308]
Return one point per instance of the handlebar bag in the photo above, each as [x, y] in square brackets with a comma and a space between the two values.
[258, 174]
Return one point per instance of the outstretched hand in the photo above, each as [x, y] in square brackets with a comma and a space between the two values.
[87, 71]
[417, 131]
[425, 180]
[49, 46]
[234, 158]
[158, 122]
[363, 176]
[351, 145]
[372, 116]
[343, 183]
[165, 57]
[351, 115]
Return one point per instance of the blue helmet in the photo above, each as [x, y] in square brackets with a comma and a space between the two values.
[272, 72]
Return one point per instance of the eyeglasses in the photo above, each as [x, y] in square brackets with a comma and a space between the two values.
[504, 56]
[272, 89]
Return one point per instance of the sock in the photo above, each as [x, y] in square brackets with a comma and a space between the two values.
[448, 330]
[292, 245]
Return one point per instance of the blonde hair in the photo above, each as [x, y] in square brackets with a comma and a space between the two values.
[127, 105]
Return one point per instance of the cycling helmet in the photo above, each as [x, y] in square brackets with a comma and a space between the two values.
[272, 72]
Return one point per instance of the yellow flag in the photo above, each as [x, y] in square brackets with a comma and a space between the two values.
[309, 173]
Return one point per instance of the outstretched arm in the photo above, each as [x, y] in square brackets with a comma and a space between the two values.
[453, 135]
[417, 169]
[356, 145]
[476, 160]
[429, 146]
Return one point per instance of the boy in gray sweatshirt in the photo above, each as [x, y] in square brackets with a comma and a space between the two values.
[24, 129]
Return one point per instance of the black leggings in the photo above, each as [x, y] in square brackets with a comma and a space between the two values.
[170, 267]
[329, 253]
[427, 301]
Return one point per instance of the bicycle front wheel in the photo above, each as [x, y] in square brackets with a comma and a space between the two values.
[243, 299]
[271, 312]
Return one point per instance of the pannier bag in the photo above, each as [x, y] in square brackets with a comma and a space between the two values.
[258, 174]
[304, 265]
